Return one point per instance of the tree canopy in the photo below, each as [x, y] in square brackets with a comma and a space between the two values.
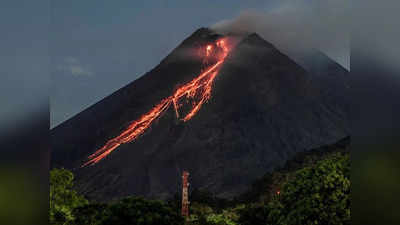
[63, 199]
[316, 191]
[317, 194]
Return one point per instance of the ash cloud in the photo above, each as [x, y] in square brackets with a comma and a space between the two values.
[298, 26]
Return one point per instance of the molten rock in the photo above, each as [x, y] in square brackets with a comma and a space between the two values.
[248, 115]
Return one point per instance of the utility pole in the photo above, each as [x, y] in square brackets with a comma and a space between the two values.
[185, 195]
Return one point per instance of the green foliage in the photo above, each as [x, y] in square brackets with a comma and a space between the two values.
[69, 208]
[138, 211]
[317, 195]
[63, 199]
[211, 219]
[265, 188]
[220, 219]
[314, 189]
[200, 209]
[130, 210]
[207, 209]
[92, 214]
[253, 214]
[228, 216]
[202, 214]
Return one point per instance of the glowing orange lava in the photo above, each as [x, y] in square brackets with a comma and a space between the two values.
[208, 50]
[198, 91]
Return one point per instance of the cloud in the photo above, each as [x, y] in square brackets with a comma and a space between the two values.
[72, 66]
[71, 60]
[298, 26]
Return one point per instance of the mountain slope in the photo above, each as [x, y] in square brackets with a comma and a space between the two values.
[80, 135]
[264, 108]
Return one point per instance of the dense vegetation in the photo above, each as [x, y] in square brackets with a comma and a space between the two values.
[69, 208]
[311, 189]
[318, 194]
[63, 199]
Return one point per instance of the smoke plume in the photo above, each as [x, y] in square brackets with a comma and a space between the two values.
[298, 26]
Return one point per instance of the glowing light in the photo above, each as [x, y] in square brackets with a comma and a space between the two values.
[198, 91]
[134, 130]
[208, 50]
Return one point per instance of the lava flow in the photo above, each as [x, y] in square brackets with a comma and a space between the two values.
[198, 91]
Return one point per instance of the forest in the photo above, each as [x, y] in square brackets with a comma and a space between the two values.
[312, 188]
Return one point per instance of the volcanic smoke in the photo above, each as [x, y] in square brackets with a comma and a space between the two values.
[197, 91]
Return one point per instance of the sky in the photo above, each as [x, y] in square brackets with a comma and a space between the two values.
[24, 62]
[97, 47]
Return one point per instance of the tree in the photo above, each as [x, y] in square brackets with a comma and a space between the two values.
[139, 211]
[253, 214]
[317, 195]
[63, 199]
[91, 214]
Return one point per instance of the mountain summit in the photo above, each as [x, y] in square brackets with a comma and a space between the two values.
[229, 110]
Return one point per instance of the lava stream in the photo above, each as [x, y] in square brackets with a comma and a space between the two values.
[201, 86]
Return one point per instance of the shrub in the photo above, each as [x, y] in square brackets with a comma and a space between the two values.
[316, 195]
[139, 211]
[63, 199]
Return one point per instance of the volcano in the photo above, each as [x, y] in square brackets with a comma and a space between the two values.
[226, 108]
